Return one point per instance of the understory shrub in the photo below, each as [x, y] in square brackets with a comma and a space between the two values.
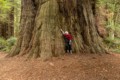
[6, 45]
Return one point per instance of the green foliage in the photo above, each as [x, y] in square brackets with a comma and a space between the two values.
[112, 8]
[114, 45]
[3, 43]
[8, 8]
[6, 45]
[5, 7]
[10, 42]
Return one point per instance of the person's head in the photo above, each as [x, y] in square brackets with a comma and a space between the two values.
[66, 32]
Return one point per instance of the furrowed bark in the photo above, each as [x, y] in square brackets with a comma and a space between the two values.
[42, 20]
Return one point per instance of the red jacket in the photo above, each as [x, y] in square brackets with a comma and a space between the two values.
[68, 36]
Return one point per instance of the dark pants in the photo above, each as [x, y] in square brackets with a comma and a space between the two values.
[68, 46]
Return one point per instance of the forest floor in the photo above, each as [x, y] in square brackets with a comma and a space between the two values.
[67, 67]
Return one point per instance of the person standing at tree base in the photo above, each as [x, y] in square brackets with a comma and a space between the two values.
[68, 41]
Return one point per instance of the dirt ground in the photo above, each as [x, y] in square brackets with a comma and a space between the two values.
[67, 67]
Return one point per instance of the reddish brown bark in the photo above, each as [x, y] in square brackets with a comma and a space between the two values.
[41, 22]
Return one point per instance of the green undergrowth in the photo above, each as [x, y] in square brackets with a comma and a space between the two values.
[113, 45]
[6, 45]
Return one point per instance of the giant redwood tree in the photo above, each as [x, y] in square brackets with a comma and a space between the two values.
[41, 21]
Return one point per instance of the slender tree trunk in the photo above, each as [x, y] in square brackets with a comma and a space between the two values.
[42, 20]
[10, 31]
[17, 13]
[4, 30]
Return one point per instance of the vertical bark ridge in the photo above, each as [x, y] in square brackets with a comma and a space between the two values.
[27, 20]
[42, 20]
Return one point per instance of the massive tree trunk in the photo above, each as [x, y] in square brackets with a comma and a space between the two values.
[41, 21]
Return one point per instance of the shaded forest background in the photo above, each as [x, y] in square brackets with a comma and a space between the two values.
[107, 23]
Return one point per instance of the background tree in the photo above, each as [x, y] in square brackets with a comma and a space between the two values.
[41, 21]
[7, 18]
[17, 13]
